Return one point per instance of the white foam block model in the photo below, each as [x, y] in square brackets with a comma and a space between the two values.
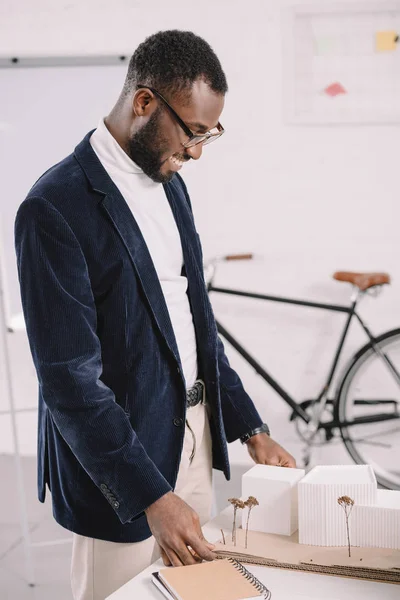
[322, 520]
[276, 491]
[377, 526]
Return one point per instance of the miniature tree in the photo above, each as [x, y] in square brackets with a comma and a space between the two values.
[251, 502]
[347, 504]
[236, 503]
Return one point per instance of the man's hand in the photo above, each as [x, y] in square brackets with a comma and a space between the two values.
[176, 528]
[265, 451]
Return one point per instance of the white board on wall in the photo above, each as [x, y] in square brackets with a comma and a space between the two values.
[351, 47]
[44, 113]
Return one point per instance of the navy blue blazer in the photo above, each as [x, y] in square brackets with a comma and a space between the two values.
[112, 396]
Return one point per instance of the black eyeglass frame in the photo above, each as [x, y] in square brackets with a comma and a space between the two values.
[205, 138]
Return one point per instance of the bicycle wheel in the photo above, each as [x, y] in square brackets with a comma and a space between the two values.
[369, 397]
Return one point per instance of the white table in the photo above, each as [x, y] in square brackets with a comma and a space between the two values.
[284, 585]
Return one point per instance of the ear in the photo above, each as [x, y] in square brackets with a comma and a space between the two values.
[144, 102]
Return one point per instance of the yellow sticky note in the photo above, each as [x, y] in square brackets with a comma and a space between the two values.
[386, 41]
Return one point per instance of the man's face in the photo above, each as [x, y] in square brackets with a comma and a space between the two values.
[157, 147]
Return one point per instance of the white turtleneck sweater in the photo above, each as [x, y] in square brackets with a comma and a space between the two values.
[152, 212]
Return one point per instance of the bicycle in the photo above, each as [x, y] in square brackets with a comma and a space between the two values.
[364, 408]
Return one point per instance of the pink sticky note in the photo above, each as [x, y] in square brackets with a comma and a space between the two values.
[335, 89]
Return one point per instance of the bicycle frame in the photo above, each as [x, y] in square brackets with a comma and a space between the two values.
[296, 407]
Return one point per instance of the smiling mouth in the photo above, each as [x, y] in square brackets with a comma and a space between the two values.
[178, 163]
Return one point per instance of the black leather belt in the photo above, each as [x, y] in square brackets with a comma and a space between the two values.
[196, 394]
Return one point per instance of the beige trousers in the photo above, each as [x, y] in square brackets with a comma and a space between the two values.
[99, 568]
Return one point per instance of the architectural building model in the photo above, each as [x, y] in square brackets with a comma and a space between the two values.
[321, 520]
[290, 500]
[276, 491]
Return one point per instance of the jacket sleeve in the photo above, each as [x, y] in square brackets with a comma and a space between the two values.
[238, 410]
[60, 317]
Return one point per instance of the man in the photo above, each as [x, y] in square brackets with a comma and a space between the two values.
[136, 396]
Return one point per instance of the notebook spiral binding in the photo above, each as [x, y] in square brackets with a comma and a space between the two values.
[253, 580]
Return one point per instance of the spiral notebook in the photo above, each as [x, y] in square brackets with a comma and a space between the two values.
[218, 580]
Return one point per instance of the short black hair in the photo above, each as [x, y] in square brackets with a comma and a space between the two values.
[171, 61]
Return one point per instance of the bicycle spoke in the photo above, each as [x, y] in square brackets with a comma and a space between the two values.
[386, 361]
[371, 435]
[369, 443]
[369, 400]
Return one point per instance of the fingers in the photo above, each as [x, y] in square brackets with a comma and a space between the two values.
[165, 558]
[177, 530]
[288, 461]
[185, 555]
[274, 461]
[203, 539]
[196, 558]
[209, 546]
[173, 558]
[179, 555]
[201, 549]
[198, 544]
[279, 461]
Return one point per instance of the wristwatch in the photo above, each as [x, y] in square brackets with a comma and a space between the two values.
[263, 429]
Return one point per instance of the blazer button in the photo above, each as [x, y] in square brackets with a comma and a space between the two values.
[116, 504]
[103, 487]
[178, 422]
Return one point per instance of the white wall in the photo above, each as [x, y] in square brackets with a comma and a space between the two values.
[309, 199]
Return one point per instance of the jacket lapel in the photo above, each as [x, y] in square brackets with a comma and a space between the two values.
[201, 309]
[123, 220]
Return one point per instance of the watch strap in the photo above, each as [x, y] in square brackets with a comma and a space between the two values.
[263, 429]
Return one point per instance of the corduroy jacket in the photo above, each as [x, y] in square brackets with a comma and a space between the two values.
[112, 397]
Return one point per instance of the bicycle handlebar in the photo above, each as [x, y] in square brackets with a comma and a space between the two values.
[248, 256]
[211, 266]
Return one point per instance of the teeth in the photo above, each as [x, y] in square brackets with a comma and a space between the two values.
[177, 162]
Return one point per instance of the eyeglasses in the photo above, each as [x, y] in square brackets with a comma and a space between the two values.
[194, 139]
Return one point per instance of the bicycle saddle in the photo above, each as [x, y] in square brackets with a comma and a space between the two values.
[363, 281]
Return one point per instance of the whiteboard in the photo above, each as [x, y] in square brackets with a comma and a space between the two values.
[44, 113]
[339, 67]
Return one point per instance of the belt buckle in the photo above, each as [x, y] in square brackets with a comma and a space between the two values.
[199, 387]
[202, 391]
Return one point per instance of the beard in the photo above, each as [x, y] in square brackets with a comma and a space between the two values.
[146, 148]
